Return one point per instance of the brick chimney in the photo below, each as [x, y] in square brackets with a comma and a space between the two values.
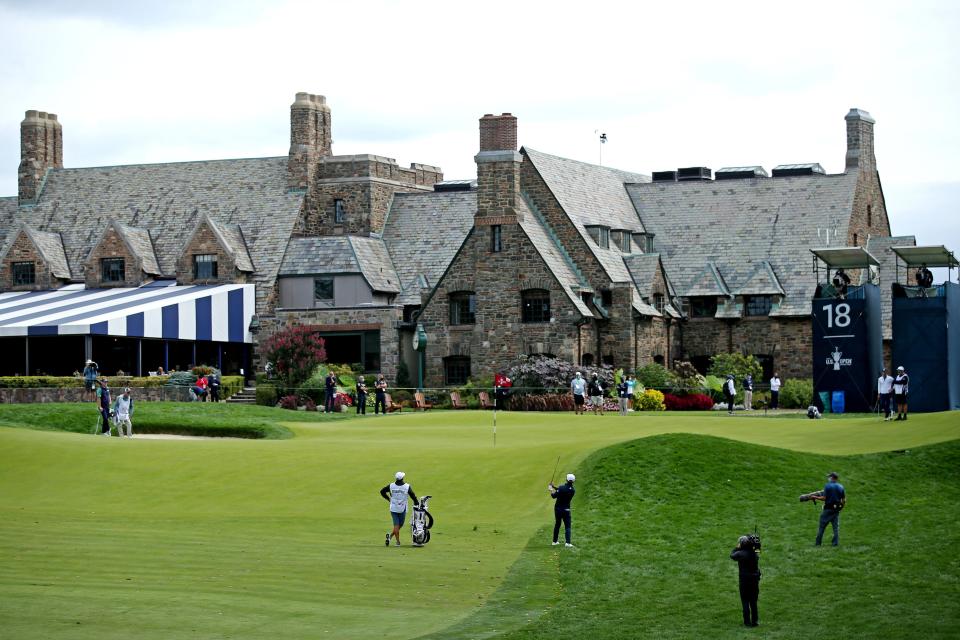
[860, 141]
[498, 171]
[309, 138]
[41, 148]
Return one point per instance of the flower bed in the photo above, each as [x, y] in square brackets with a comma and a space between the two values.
[689, 402]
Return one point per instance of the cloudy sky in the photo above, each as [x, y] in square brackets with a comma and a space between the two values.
[713, 83]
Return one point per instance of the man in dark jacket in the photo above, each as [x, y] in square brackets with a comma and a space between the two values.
[747, 556]
[330, 390]
[361, 396]
[561, 509]
[834, 498]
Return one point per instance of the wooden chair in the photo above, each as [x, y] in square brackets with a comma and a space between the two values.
[421, 403]
[484, 398]
[456, 401]
[391, 405]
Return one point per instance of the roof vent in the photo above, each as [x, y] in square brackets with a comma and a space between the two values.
[694, 173]
[664, 176]
[455, 185]
[808, 169]
[735, 173]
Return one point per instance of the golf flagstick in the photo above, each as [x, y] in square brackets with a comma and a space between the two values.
[495, 415]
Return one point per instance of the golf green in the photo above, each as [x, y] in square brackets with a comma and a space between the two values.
[110, 538]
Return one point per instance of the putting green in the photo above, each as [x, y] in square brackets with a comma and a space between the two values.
[113, 538]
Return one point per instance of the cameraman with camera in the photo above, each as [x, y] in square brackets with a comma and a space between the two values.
[747, 555]
[834, 498]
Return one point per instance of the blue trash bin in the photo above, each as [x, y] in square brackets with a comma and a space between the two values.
[837, 402]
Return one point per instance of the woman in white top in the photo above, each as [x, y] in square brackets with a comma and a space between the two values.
[775, 391]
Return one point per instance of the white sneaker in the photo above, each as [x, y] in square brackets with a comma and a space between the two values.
[554, 543]
[567, 544]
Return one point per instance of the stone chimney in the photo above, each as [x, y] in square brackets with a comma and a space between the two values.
[498, 171]
[860, 154]
[309, 138]
[41, 148]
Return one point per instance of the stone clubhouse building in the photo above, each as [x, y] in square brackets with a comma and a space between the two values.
[172, 264]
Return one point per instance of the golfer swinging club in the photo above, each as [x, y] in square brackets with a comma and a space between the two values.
[396, 494]
[561, 510]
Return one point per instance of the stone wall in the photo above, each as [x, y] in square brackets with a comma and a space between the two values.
[79, 394]
[41, 149]
[23, 250]
[205, 241]
[112, 245]
[499, 335]
[787, 340]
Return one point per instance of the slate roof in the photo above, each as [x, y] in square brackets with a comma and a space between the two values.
[422, 233]
[737, 224]
[879, 248]
[762, 282]
[592, 195]
[49, 245]
[643, 271]
[140, 244]
[549, 250]
[231, 236]
[375, 264]
[167, 199]
[317, 255]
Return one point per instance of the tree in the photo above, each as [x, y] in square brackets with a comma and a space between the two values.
[737, 364]
[295, 352]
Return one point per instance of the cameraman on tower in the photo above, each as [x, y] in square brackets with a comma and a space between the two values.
[747, 555]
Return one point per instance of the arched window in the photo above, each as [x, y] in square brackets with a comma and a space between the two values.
[535, 305]
[456, 370]
[463, 307]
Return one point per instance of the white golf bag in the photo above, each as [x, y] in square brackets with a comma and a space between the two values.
[421, 522]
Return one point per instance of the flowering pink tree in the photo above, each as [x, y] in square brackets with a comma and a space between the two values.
[295, 352]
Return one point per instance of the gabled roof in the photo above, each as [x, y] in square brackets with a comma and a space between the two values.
[708, 282]
[592, 195]
[736, 224]
[763, 281]
[167, 199]
[48, 245]
[375, 264]
[643, 269]
[552, 256]
[141, 245]
[879, 248]
[231, 238]
[423, 233]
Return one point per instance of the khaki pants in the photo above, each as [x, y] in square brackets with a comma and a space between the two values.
[124, 421]
[623, 406]
[748, 400]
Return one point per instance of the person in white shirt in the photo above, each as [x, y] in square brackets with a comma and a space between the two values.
[884, 391]
[901, 387]
[775, 391]
[730, 390]
[397, 493]
[578, 387]
[123, 413]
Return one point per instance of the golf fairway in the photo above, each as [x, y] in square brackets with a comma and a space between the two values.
[109, 538]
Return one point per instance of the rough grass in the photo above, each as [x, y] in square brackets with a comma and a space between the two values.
[109, 538]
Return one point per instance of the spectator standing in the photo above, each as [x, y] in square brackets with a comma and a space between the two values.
[884, 393]
[775, 391]
[361, 396]
[330, 391]
[901, 387]
[90, 374]
[578, 387]
[631, 384]
[748, 393]
[596, 391]
[123, 410]
[103, 397]
[214, 381]
[380, 400]
[623, 395]
[730, 391]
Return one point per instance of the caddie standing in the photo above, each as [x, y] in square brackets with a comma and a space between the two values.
[397, 493]
[901, 388]
[123, 411]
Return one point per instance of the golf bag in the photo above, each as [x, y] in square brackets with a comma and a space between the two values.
[421, 522]
[813, 413]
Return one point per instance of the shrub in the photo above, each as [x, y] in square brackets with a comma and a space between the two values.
[310, 405]
[724, 364]
[289, 402]
[357, 368]
[713, 385]
[230, 385]
[649, 400]
[690, 402]
[403, 375]
[181, 379]
[295, 353]
[267, 395]
[542, 375]
[796, 393]
[542, 402]
[204, 370]
[400, 396]
[687, 379]
[654, 376]
[62, 382]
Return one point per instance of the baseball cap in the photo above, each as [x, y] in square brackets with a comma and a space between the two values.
[400, 475]
[126, 389]
[571, 477]
[832, 474]
[899, 368]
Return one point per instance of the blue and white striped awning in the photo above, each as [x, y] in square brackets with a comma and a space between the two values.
[161, 309]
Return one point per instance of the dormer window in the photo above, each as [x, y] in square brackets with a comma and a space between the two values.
[338, 211]
[24, 273]
[624, 241]
[112, 270]
[205, 266]
[600, 235]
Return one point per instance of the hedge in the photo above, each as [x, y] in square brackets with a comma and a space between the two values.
[690, 402]
[63, 382]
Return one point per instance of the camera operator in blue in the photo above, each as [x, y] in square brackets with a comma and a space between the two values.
[834, 499]
[747, 556]
[561, 509]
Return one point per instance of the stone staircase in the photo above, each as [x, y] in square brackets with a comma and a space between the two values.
[247, 396]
